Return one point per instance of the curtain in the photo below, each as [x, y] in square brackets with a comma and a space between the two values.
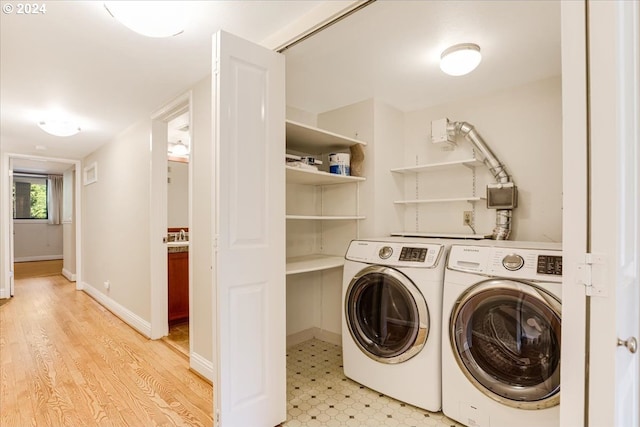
[55, 199]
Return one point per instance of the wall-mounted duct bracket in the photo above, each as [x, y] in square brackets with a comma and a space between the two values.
[502, 196]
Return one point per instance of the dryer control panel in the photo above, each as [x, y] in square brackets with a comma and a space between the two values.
[530, 264]
[414, 254]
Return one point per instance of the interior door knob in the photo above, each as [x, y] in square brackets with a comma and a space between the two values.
[631, 344]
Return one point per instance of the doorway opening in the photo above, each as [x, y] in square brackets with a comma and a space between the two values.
[179, 145]
[42, 204]
[170, 224]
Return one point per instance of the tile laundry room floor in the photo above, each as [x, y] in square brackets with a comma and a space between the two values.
[318, 394]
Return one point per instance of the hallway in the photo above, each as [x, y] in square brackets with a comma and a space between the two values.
[67, 361]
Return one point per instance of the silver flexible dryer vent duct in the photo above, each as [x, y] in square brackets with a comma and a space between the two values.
[503, 216]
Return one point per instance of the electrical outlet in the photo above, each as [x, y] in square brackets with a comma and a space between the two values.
[467, 218]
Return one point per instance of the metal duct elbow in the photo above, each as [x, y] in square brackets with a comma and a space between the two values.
[490, 160]
[502, 229]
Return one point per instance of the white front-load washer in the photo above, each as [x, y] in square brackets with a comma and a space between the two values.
[392, 309]
[501, 335]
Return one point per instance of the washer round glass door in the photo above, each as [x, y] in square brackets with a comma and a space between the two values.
[386, 314]
[505, 336]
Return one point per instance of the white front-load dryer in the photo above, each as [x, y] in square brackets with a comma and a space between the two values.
[501, 332]
[392, 308]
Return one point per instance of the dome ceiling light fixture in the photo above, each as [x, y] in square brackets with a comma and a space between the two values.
[59, 127]
[149, 18]
[460, 59]
[179, 149]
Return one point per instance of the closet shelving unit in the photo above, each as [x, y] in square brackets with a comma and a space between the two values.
[435, 167]
[313, 141]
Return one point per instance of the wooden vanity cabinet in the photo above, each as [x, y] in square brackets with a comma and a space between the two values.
[178, 267]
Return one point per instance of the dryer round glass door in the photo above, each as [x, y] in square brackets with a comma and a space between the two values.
[386, 314]
[505, 336]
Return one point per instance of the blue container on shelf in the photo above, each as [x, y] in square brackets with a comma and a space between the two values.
[339, 163]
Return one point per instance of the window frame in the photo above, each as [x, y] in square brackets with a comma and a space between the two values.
[47, 201]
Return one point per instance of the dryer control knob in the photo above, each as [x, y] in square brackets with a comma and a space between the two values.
[385, 252]
[513, 262]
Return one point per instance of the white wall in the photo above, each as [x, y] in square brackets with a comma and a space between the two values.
[36, 240]
[523, 127]
[301, 116]
[381, 127]
[200, 233]
[116, 242]
[178, 195]
[115, 228]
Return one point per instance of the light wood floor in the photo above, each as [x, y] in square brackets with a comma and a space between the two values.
[67, 361]
[23, 270]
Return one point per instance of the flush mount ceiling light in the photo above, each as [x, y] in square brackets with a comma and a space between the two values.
[460, 59]
[58, 127]
[149, 18]
[179, 149]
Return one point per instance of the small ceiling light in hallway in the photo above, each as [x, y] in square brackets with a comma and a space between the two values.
[150, 18]
[460, 59]
[59, 127]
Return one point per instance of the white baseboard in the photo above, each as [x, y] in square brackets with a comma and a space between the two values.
[317, 333]
[127, 316]
[69, 275]
[4, 293]
[201, 365]
[38, 258]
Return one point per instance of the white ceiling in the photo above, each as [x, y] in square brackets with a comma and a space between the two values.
[390, 50]
[79, 59]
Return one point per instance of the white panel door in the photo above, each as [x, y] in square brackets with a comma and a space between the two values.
[628, 284]
[614, 376]
[11, 251]
[249, 208]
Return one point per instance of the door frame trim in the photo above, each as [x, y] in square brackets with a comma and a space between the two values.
[158, 221]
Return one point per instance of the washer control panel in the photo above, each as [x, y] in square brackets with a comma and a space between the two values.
[550, 264]
[509, 262]
[395, 254]
[413, 254]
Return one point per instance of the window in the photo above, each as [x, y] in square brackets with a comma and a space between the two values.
[30, 199]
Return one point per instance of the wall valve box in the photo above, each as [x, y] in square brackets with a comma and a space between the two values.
[439, 132]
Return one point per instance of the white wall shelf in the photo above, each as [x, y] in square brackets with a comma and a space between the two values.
[438, 234]
[312, 177]
[311, 140]
[434, 167]
[327, 217]
[310, 263]
[448, 200]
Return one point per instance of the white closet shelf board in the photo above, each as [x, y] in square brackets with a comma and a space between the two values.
[309, 263]
[433, 167]
[327, 217]
[311, 177]
[455, 199]
[311, 140]
[438, 234]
